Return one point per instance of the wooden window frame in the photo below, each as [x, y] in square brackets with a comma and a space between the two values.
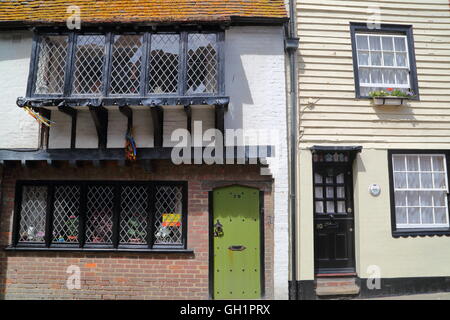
[115, 245]
[109, 37]
[413, 232]
[405, 30]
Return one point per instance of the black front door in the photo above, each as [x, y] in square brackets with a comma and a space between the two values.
[333, 215]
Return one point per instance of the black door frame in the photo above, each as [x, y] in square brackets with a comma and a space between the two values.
[211, 239]
[351, 153]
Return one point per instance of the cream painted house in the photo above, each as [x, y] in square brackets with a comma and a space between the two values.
[373, 173]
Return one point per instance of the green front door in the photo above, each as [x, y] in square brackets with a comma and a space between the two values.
[236, 243]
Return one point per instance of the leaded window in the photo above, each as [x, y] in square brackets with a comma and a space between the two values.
[384, 59]
[164, 63]
[146, 64]
[202, 63]
[51, 65]
[89, 64]
[141, 215]
[420, 191]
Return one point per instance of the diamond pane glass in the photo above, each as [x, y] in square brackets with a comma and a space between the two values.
[100, 204]
[126, 64]
[202, 63]
[164, 63]
[32, 214]
[51, 65]
[168, 215]
[89, 62]
[134, 214]
[66, 214]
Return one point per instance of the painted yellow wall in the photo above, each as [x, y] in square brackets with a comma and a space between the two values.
[374, 244]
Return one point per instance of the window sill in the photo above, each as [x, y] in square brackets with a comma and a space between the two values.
[93, 249]
[406, 233]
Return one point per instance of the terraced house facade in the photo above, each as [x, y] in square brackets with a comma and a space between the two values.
[373, 215]
[93, 203]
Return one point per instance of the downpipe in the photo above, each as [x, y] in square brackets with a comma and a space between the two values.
[291, 47]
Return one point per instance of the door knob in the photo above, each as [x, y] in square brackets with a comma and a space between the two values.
[218, 229]
[319, 226]
[351, 230]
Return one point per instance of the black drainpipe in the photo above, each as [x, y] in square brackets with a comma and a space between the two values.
[291, 45]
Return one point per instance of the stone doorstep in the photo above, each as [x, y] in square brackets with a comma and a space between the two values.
[336, 286]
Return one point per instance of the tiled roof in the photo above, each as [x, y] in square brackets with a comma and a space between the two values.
[127, 11]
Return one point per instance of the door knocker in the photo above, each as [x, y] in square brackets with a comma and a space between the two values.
[218, 229]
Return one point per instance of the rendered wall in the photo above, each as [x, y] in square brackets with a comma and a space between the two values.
[374, 243]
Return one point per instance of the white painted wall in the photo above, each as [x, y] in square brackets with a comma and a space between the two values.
[17, 128]
[256, 84]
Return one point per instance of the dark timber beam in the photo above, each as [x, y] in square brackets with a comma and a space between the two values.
[72, 112]
[158, 125]
[100, 117]
[45, 133]
[220, 117]
[188, 111]
[114, 154]
[127, 112]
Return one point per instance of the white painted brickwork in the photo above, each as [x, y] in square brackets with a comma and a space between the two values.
[17, 128]
[256, 84]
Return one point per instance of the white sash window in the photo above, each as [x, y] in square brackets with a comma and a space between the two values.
[420, 191]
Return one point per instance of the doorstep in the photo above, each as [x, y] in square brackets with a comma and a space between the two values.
[336, 286]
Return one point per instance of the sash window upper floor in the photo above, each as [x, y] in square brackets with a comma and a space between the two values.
[177, 64]
[383, 58]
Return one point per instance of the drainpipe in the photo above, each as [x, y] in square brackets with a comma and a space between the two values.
[291, 46]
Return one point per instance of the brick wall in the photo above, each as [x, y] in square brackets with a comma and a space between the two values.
[42, 275]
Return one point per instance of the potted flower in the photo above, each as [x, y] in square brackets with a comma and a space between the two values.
[134, 233]
[390, 96]
[72, 229]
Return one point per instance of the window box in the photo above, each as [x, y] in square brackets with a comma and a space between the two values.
[389, 101]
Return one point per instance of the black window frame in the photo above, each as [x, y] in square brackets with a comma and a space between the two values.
[115, 245]
[406, 30]
[414, 232]
[144, 86]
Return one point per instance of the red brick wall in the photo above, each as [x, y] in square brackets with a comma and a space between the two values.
[42, 275]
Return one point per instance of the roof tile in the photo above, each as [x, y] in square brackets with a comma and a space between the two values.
[128, 11]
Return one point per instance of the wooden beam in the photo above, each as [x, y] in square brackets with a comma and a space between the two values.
[127, 112]
[72, 112]
[158, 125]
[45, 131]
[100, 117]
[111, 154]
[188, 110]
[220, 117]
[147, 165]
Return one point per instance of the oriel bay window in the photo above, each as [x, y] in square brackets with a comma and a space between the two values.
[135, 64]
[419, 184]
[100, 215]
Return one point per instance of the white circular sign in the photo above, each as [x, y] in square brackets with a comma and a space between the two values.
[375, 190]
